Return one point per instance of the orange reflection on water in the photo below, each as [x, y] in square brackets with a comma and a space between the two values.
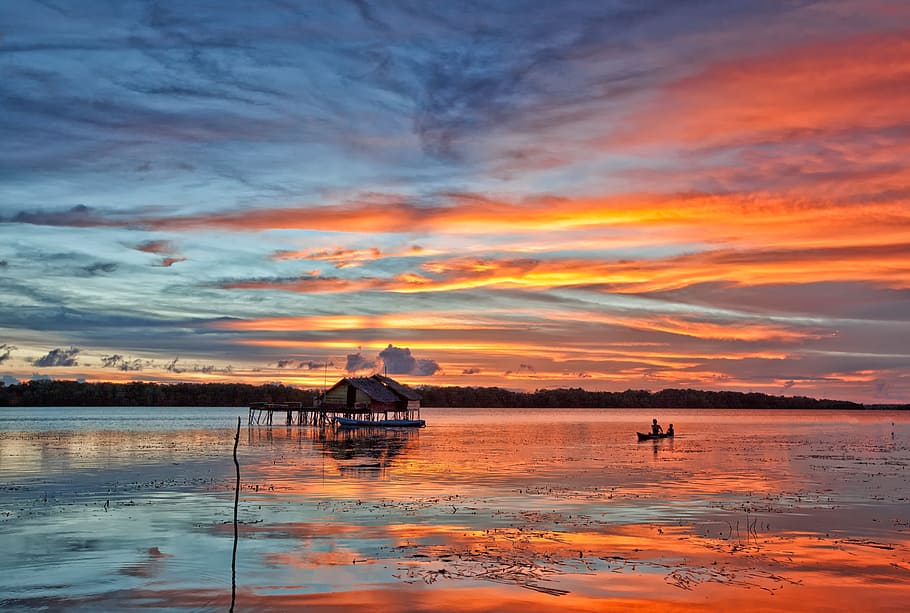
[585, 566]
[560, 511]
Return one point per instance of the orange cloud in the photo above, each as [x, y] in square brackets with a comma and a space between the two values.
[881, 264]
[817, 89]
[403, 321]
[342, 258]
[738, 220]
[312, 284]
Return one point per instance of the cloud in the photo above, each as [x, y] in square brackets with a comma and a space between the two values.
[752, 221]
[306, 285]
[397, 319]
[357, 361]
[881, 388]
[808, 91]
[311, 365]
[59, 357]
[877, 264]
[78, 216]
[111, 361]
[341, 258]
[206, 369]
[10, 380]
[283, 363]
[5, 351]
[158, 246]
[170, 261]
[522, 368]
[165, 248]
[117, 361]
[753, 209]
[100, 268]
[399, 361]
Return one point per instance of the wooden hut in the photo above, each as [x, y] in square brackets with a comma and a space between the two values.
[363, 398]
[371, 398]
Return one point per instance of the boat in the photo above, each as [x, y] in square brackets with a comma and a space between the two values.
[652, 437]
[346, 422]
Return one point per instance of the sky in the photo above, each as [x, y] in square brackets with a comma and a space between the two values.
[607, 195]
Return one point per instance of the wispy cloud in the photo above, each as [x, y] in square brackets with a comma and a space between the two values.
[164, 248]
[873, 264]
[613, 194]
[804, 92]
[78, 216]
[6, 350]
[341, 258]
[123, 364]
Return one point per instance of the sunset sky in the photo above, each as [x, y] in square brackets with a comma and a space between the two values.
[607, 195]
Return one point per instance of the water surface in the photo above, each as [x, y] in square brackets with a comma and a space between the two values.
[484, 510]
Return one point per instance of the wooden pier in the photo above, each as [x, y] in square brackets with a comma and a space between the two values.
[289, 414]
[295, 414]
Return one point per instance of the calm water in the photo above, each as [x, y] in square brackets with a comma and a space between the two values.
[507, 510]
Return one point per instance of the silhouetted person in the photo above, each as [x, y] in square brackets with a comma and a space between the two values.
[670, 430]
[655, 427]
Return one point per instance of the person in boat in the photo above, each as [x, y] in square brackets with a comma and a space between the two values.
[656, 428]
[670, 430]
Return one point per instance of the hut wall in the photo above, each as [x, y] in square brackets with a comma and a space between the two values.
[361, 398]
[348, 396]
[337, 396]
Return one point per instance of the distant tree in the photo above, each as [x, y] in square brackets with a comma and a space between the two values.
[72, 393]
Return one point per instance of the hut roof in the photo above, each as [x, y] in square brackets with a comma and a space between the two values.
[374, 389]
[402, 390]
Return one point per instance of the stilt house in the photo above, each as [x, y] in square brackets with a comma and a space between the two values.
[372, 396]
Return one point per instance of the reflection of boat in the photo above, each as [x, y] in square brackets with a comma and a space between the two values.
[652, 437]
[345, 422]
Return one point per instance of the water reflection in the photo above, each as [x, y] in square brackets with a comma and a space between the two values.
[353, 452]
[659, 444]
[568, 512]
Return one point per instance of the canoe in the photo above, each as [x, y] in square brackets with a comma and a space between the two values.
[345, 422]
[652, 437]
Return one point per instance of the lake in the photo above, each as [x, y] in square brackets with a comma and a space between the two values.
[105, 509]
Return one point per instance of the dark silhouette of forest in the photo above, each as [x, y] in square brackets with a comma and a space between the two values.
[495, 397]
[59, 393]
[74, 393]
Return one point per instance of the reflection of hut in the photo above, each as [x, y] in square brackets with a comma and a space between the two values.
[375, 397]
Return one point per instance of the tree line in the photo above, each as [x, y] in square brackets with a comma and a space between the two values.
[75, 393]
[61, 393]
[495, 397]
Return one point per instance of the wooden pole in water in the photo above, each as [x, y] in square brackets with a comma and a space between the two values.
[236, 502]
